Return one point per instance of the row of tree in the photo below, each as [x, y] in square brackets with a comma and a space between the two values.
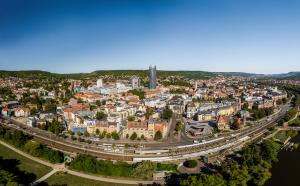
[261, 113]
[24, 142]
[139, 93]
[143, 170]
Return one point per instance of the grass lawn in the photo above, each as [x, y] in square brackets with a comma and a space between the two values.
[61, 178]
[281, 135]
[296, 122]
[25, 164]
[284, 134]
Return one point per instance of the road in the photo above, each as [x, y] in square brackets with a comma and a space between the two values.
[63, 168]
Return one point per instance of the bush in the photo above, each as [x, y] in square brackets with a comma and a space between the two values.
[100, 115]
[133, 136]
[166, 166]
[139, 93]
[157, 135]
[167, 114]
[190, 163]
[115, 135]
[90, 164]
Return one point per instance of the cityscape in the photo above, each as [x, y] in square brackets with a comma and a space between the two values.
[161, 114]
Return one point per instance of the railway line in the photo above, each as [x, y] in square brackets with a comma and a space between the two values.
[160, 154]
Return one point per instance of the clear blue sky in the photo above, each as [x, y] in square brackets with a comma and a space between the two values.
[261, 36]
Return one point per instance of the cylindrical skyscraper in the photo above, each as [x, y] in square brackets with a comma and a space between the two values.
[152, 77]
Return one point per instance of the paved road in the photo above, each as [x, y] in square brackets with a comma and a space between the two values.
[61, 167]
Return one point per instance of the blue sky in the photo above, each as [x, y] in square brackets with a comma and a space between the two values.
[66, 36]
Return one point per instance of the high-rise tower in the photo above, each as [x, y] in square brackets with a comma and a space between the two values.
[152, 77]
[99, 83]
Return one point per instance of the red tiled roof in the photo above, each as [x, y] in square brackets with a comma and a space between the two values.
[137, 124]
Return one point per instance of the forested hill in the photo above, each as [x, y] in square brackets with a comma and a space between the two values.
[34, 74]
[160, 73]
[106, 73]
[38, 74]
[26, 74]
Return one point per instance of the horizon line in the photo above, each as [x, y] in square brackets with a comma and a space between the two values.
[24, 70]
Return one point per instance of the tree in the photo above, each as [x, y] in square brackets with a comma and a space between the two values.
[178, 126]
[259, 175]
[279, 102]
[79, 100]
[86, 134]
[55, 127]
[115, 135]
[102, 135]
[190, 163]
[93, 107]
[131, 118]
[50, 107]
[108, 135]
[149, 112]
[97, 131]
[142, 137]
[145, 169]
[100, 115]
[270, 150]
[255, 106]
[157, 135]
[290, 114]
[139, 93]
[71, 132]
[204, 180]
[236, 124]
[234, 173]
[98, 103]
[33, 111]
[167, 114]
[133, 136]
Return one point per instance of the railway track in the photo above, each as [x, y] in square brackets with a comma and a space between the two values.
[73, 148]
[79, 150]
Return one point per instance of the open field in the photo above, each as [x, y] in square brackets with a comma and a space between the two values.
[61, 178]
[25, 164]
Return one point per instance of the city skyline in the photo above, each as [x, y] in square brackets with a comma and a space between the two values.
[219, 36]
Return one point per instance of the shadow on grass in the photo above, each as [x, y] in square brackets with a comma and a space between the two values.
[11, 166]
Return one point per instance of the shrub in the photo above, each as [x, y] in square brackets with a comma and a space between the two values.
[190, 163]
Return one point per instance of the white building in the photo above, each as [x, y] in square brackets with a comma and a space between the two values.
[99, 83]
[135, 82]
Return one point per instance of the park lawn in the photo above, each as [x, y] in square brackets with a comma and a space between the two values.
[295, 122]
[25, 164]
[61, 178]
[281, 136]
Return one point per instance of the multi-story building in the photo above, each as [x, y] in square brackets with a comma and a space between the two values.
[135, 82]
[152, 77]
[99, 83]
[146, 128]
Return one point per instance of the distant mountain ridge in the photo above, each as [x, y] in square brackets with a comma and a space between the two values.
[289, 75]
[144, 73]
